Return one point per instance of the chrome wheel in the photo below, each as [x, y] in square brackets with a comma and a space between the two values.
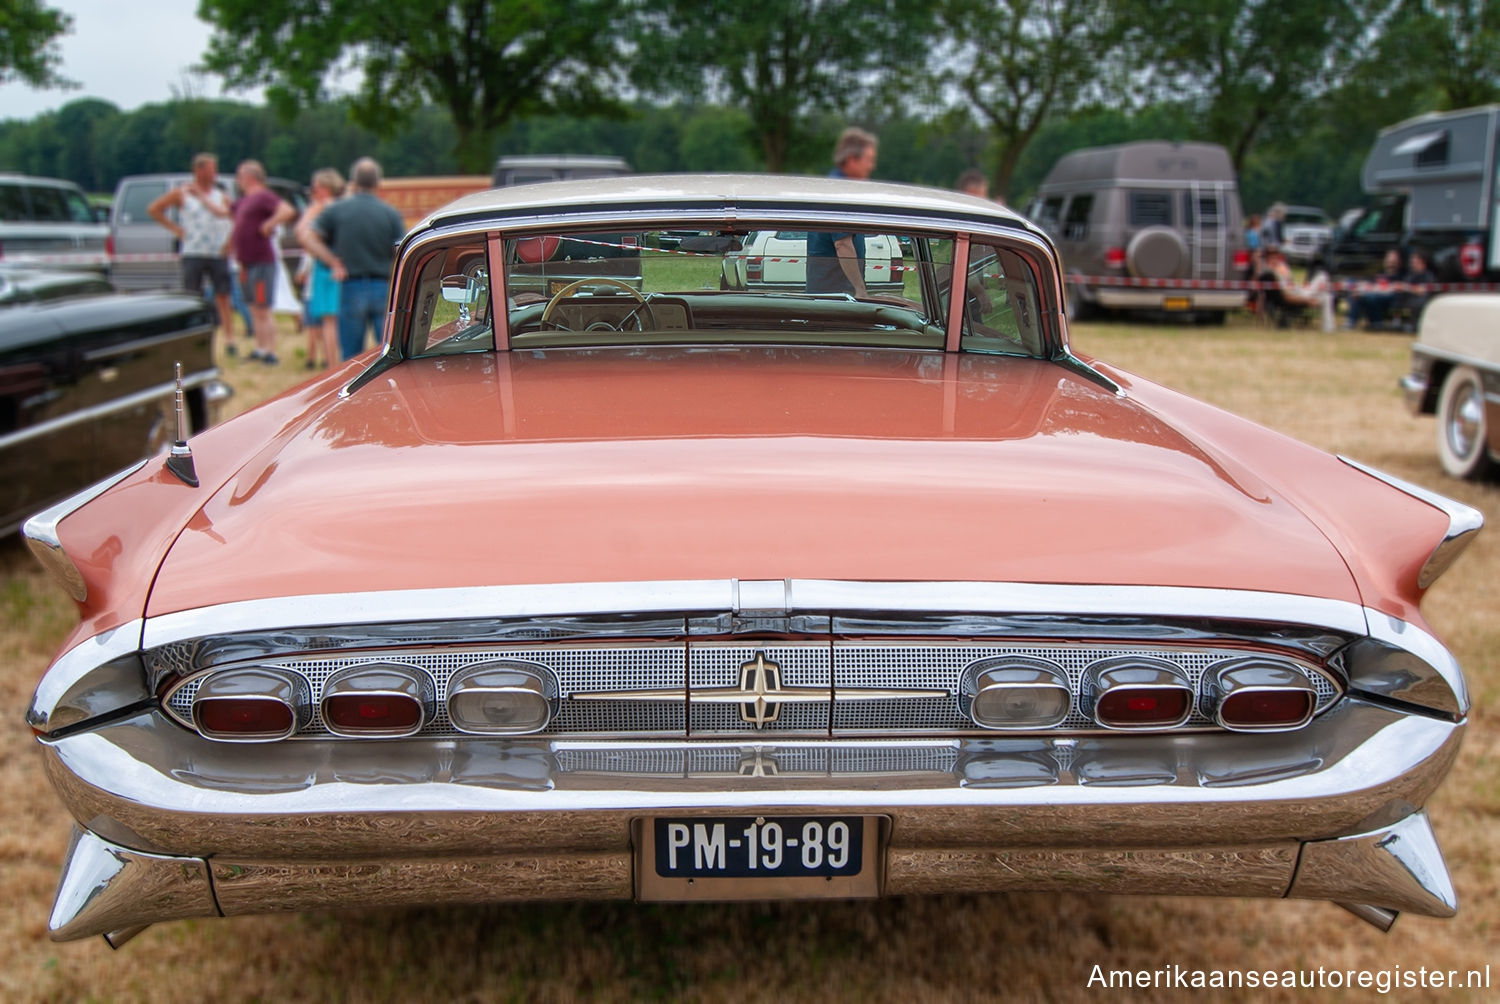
[1463, 428]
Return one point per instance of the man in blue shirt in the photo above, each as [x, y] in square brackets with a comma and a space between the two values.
[836, 262]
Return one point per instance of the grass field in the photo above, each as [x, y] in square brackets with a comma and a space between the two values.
[1335, 391]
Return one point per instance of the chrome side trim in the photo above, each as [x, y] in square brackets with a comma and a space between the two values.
[98, 675]
[108, 889]
[146, 343]
[1401, 662]
[584, 599]
[1395, 868]
[40, 532]
[1464, 522]
[104, 410]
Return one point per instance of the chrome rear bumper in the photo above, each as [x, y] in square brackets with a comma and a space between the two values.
[175, 826]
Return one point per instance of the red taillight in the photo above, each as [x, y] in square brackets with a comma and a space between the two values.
[1115, 257]
[109, 245]
[379, 713]
[243, 717]
[1471, 259]
[1266, 709]
[754, 269]
[1142, 707]
[1241, 260]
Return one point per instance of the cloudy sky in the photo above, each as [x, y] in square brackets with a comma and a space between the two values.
[130, 53]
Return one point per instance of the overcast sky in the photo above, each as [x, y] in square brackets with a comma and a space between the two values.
[129, 53]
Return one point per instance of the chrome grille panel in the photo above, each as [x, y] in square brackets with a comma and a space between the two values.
[671, 669]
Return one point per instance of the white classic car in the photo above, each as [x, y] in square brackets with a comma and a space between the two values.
[777, 259]
[1455, 374]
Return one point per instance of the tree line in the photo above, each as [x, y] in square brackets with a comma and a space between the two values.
[1295, 89]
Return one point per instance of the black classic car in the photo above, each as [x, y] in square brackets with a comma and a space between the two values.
[86, 381]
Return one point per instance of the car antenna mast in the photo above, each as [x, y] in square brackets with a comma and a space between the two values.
[180, 457]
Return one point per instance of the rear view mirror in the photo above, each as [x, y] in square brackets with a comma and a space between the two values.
[463, 289]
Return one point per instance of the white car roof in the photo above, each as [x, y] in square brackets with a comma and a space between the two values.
[716, 195]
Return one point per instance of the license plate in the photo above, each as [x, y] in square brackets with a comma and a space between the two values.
[757, 857]
[1177, 303]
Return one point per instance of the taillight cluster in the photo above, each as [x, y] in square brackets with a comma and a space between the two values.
[380, 700]
[1137, 693]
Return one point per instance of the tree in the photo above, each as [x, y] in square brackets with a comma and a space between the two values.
[1250, 65]
[779, 61]
[485, 61]
[1022, 62]
[28, 50]
[1446, 53]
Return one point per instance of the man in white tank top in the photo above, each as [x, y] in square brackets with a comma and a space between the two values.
[202, 230]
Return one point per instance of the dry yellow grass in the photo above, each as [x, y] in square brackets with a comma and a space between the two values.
[1336, 391]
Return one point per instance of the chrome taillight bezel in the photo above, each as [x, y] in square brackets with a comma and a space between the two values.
[1012, 673]
[254, 683]
[1250, 676]
[379, 679]
[1135, 673]
[530, 680]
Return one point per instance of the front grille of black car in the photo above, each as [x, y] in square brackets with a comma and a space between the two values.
[661, 677]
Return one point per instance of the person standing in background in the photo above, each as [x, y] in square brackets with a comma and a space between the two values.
[257, 214]
[973, 182]
[836, 262]
[356, 238]
[323, 288]
[202, 232]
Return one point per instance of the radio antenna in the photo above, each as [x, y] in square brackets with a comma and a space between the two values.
[180, 457]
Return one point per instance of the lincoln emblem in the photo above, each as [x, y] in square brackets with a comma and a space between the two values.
[760, 694]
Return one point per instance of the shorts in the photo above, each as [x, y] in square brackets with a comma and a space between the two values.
[205, 273]
[258, 283]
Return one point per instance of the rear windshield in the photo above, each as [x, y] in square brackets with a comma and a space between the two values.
[766, 286]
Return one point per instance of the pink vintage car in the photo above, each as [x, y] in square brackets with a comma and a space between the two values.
[587, 588]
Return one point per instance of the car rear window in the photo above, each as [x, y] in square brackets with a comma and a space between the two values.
[1150, 209]
[770, 286]
[130, 207]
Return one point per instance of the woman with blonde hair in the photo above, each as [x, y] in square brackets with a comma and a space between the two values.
[323, 288]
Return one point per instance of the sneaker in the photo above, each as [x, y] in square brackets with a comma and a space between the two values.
[256, 355]
[269, 358]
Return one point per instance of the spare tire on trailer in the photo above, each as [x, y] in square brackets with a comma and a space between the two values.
[1157, 253]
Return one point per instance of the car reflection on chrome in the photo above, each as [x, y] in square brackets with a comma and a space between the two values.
[642, 587]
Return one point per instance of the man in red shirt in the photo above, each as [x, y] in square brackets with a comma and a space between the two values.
[257, 214]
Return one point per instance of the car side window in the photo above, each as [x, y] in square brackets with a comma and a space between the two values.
[48, 205]
[1076, 223]
[452, 309]
[12, 203]
[1051, 210]
[1001, 314]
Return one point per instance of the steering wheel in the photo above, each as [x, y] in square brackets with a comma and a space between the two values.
[574, 287]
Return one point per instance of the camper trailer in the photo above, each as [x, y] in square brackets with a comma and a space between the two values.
[1431, 182]
[1153, 210]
